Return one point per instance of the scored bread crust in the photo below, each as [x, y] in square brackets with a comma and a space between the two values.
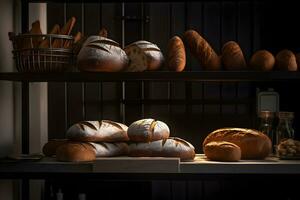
[170, 147]
[254, 144]
[146, 130]
[105, 149]
[98, 131]
[222, 151]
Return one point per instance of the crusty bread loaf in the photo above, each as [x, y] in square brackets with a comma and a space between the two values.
[100, 54]
[222, 151]
[233, 57]
[75, 151]
[105, 149]
[152, 52]
[253, 144]
[176, 58]
[262, 60]
[49, 149]
[146, 130]
[137, 59]
[201, 50]
[171, 147]
[98, 131]
[286, 60]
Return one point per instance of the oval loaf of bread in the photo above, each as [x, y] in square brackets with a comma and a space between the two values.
[171, 147]
[254, 144]
[138, 51]
[201, 50]
[146, 130]
[176, 58]
[106, 149]
[75, 152]
[286, 60]
[222, 151]
[49, 149]
[233, 57]
[98, 131]
[100, 54]
[262, 60]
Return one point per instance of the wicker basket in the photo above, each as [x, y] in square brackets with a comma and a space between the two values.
[30, 58]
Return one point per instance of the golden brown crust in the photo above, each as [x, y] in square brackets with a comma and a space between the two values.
[222, 151]
[75, 151]
[176, 58]
[66, 30]
[262, 60]
[253, 144]
[49, 149]
[201, 49]
[233, 57]
[286, 60]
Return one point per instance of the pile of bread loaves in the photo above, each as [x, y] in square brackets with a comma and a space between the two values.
[87, 140]
[233, 144]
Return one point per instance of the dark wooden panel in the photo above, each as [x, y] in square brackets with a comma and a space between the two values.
[56, 91]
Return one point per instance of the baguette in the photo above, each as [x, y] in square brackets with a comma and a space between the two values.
[201, 50]
[176, 58]
[66, 30]
[55, 30]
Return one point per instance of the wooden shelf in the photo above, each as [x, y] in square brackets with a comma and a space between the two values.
[213, 76]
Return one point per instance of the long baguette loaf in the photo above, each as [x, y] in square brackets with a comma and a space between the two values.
[98, 131]
[176, 58]
[146, 130]
[171, 147]
[253, 144]
[201, 50]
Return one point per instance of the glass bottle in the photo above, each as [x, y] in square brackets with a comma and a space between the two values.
[266, 124]
[284, 128]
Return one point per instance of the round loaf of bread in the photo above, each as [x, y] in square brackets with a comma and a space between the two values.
[262, 60]
[233, 57]
[49, 149]
[100, 54]
[286, 60]
[202, 51]
[148, 50]
[98, 131]
[222, 151]
[254, 144]
[171, 147]
[146, 130]
[75, 152]
[176, 58]
[105, 149]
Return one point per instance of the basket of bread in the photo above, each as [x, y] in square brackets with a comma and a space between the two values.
[37, 52]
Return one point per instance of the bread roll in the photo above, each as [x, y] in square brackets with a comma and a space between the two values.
[171, 147]
[98, 131]
[176, 58]
[105, 149]
[49, 149]
[201, 50]
[99, 54]
[262, 60]
[75, 151]
[253, 144]
[233, 57]
[152, 52]
[286, 60]
[146, 130]
[222, 151]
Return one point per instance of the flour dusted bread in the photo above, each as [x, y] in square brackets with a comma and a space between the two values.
[106, 149]
[150, 51]
[98, 131]
[233, 57]
[176, 58]
[201, 50]
[222, 151]
[49, 149]
[171, 147]
[262, 60]
[100, 54]
[253, 144]
[286, 60]
[75, 152]
[146, 130]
